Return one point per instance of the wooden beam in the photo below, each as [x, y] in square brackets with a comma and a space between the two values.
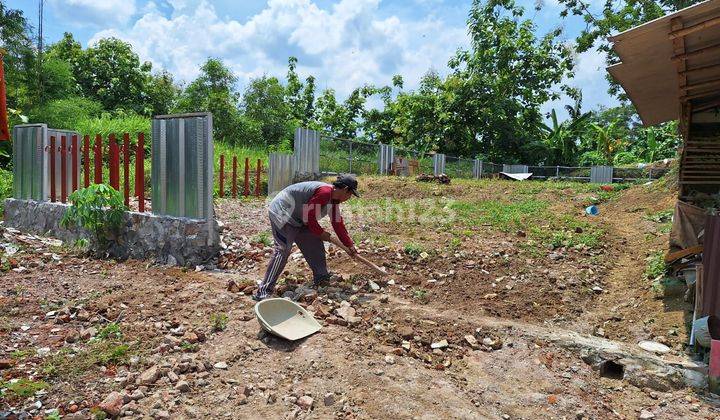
[694, 28]
[700, 95]
[707, 106]
[701, 85]
[699, 69]
[691, 54]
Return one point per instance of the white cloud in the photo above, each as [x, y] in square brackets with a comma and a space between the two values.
[94, 12]
[344, 46]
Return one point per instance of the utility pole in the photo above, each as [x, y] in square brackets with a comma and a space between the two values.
[4, 133]
[40, 51]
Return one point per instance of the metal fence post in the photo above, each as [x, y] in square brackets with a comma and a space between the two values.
[350, 158]
[557, 172]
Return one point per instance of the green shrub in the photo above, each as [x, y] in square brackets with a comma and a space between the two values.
[98, 208]
[117, 124]
[413, 250]
[656, 266]
[65, 113]
[6, 187]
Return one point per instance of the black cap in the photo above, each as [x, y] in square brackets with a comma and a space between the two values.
[349, 181]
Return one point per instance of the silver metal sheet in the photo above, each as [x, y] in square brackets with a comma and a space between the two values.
[281, 172]
[30, 162]
[307, 151]
[515, 169]
[477, 168]
[386, 155]
[182, 170]
[438, 164]
[601, 174]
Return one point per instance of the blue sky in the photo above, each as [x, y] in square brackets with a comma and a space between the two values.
[344, 44]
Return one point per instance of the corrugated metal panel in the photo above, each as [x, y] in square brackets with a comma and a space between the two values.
[281, 172]
[30, 162]
[515, 169]
[58, 159]
[181, 167]
[307, 151]
[386, 155]
[477, 168]
[438, 164]
[601, 174]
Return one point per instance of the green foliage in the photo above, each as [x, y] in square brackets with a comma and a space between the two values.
[414, 250]
[22, 388]
[218, 322]
[66, 113]
[6, 187]
[121, 122]
[656, 266]
[98, 208]
[110, 331]
[264, 238]
[264, 102]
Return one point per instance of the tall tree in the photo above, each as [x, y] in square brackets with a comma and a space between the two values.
[111, 73]
[497, 86]
[214, 91]
[264, 102]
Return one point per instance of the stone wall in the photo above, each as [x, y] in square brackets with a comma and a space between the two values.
[165, 239]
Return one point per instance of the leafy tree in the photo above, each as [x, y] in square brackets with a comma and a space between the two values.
[214, 91]
[20, 61]
[607, 141]
[264, 102]
[493, 99]
[111, 73]
[66, 113]
[615, 16]
[162, 94]
[562, 139]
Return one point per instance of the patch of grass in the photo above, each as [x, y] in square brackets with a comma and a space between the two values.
[188, 347]
[110, 331]
[264, 238]
[22, 388]
[663, 216]
[68, 363]
[218, 322]
[414, 250]
[21, 354]
[656, 266]
[421, 295]
[504, 216]
[6, 187]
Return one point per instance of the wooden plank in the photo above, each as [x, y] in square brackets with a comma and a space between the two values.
[696, 53]
[674, 256]
[707, 94]
[699, 69]
[694, 28]
[702, 85]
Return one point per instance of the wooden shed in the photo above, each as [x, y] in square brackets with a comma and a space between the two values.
[670, 69]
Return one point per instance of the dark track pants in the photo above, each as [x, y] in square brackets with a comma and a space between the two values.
[311, 246]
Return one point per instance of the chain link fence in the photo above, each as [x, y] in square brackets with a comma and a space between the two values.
[338, 155]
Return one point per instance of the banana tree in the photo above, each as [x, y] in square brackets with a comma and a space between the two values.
[606, 143]
[561, 138]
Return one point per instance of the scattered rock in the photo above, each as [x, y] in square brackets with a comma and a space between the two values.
[112, 404]
[389, 360]
[305, 402]
[654, 347]
[329, 399]
[5, 363]
[149, 377]
[182, 386]
[221, 365]
[646, 415]
[88, 333]
[471, 340]
[439, 345]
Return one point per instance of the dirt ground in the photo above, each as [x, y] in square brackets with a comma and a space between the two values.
[483, 324]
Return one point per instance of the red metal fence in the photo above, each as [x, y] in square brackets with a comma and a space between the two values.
[258, 189]
[112, 160]
[91, 157]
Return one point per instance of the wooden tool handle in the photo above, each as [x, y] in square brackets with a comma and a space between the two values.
[358, 257]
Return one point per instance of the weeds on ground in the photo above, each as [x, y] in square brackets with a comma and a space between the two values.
[414, 250]
[218, 322]
[69, 363]
[264, 238]
[21, 354]
[663, 219]
[421, 295]
[22, 388]
[656, 266]
[110, 331]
